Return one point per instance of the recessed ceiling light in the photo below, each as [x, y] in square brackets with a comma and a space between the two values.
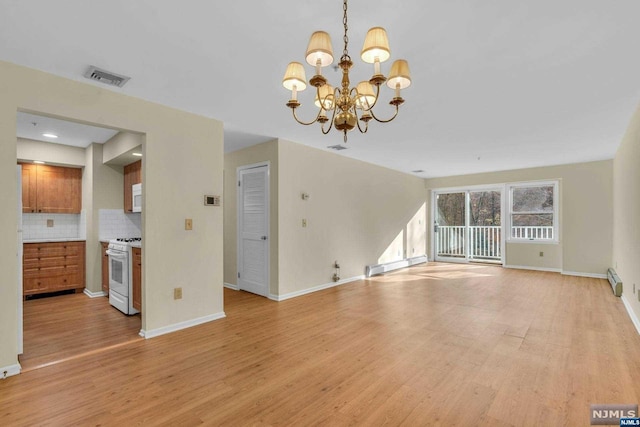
[49, 135]
[137, 154]
[40, 162]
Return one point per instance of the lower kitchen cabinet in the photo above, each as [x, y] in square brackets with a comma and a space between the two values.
[52, 267]
[137, 279]
[105, 268]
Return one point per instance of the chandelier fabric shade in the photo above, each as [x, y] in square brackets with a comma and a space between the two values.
[349, 107]
[295, 77]
[399, 75]
[376, 46]
[319, 49]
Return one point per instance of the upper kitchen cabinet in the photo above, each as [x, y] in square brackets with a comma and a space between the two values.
[132, 175]
[51, 189]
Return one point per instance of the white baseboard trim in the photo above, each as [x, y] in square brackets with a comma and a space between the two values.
[579, 274]
[418, 260]
[90, 294]
[372, 270]
[314, 289]
[9, 371]
[632, 314]
[526, 267]
[181, 325]
[231, 286]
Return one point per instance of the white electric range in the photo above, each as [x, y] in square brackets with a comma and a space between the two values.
[121, 273]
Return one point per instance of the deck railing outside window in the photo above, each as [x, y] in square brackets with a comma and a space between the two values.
[485, 242]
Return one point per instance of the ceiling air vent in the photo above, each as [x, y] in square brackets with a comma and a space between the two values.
[418, 171]
[106, 77]
[337, 147]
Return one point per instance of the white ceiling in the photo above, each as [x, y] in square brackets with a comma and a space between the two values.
[497, 84]
[32, 126]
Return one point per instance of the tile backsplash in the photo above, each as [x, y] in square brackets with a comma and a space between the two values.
[114, 223]
[65, 226]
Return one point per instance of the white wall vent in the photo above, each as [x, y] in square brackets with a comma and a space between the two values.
[106, 77]
[337, 147]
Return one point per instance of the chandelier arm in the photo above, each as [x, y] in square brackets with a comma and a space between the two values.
[295, 116]
[383, 120]
[333, 116]
[366, 126]
[376, 100]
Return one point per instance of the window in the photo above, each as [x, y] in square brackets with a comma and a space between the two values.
[533, 211]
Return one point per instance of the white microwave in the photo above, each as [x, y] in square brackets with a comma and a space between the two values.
[136, 195]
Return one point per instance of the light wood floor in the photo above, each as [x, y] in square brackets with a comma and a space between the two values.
[64, 327]
[439, 344]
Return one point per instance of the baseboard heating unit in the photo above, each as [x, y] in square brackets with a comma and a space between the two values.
[372, 270]
[614, 280]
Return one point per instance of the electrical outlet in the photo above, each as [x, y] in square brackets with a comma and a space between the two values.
[541, 253]
[177, 293]
[304, 222]
[49, 223]
[188, 224]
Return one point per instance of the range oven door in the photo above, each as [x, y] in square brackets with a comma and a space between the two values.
[118, 272]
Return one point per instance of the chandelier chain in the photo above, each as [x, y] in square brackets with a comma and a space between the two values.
[345, 52]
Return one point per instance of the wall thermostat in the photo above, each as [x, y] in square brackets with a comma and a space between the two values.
[212, 200]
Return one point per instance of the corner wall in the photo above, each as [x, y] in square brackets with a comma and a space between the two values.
[586, 209]
[183, 161]
[626, 215]
[357, 214]
[354, 213]
[265, 152]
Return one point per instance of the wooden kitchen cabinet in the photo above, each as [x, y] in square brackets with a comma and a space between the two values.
[105, 268]
[51, 189]
[137, 279]
[132, 175]
[52, 267]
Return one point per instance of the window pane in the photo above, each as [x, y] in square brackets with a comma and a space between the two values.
[451, 209]
[485, 208]
[533, 199]
[533, 220]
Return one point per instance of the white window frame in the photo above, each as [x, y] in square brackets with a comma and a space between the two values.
[556, 210]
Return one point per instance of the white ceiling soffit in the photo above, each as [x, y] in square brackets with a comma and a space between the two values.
[31, 126]
[497, 84]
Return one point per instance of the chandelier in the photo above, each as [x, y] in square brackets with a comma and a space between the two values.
[347, 105]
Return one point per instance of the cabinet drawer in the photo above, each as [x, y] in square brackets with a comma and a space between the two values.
[37, 285]
[36, 250]
[54, 270]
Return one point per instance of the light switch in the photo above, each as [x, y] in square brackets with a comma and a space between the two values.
[188, 224]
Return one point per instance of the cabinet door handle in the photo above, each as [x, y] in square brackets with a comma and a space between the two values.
[39, 210]
[33, 210]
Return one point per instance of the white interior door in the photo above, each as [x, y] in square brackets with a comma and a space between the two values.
[253, 229]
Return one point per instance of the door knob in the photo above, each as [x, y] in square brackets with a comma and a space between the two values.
[264, 237]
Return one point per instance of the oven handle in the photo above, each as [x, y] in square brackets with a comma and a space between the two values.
[117, 255]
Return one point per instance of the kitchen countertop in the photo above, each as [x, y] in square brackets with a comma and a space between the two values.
[49, 240]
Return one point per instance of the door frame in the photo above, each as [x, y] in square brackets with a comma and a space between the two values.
[468, 189]
[239, 211]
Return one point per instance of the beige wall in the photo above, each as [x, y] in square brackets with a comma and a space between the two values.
[183, 161]
[354, 212]
[102, 188]
[626, 213]
[357, 214]
[57, 154]
[121, 143]
[586, 209]
[265, 152]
